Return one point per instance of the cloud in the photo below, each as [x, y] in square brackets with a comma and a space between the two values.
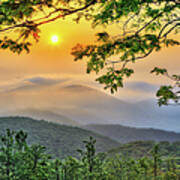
[45, 80]
[141, 86]
[31, 83]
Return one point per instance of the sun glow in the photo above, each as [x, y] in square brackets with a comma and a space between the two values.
[54, 39]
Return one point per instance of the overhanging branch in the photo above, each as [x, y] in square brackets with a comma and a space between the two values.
[44, 20]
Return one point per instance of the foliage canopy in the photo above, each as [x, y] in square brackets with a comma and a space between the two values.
[145, 26]
[18, 160]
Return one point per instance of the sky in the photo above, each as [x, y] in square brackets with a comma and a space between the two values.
[49, 65]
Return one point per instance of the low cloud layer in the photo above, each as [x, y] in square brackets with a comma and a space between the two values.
[32, 83]
[45, 80]
[44, 83]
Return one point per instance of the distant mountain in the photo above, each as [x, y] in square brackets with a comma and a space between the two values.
[167, 117]
[46, 115]
[83, 105]
[124, 134]
[60, 140]
[78, 87]
[91, 106]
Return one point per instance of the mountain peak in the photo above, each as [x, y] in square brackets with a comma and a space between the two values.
[79, 87]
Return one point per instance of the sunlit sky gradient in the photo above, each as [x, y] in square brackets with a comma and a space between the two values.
[54, 63]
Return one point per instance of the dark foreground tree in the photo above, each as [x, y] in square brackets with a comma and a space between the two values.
[145, 26]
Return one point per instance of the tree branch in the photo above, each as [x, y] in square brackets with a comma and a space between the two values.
[65, 11]
[166, 25]
[130, 60]
[171, 29]
[147, 24]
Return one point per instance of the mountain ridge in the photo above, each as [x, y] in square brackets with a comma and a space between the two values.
[86, 105]
[125, 134]
[60, 140]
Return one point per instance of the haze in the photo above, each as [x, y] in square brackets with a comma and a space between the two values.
[48, 80]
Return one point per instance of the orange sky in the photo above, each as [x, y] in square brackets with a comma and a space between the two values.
[47, 60]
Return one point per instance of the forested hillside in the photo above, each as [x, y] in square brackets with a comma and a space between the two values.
[139, 149]
[60, 140]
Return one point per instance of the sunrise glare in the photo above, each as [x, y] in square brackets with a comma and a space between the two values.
[54, 39]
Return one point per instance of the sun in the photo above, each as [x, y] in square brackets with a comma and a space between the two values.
[54, 39]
